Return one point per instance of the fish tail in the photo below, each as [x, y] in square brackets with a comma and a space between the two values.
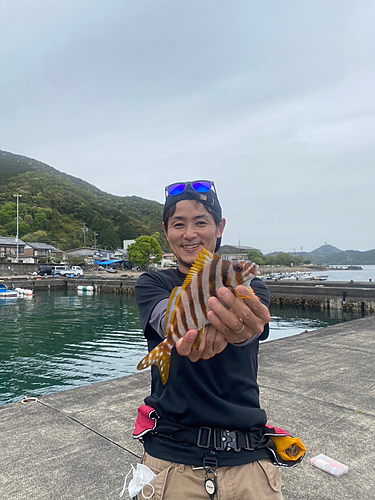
[159, 356]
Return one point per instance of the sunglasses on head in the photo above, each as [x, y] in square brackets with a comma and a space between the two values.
[198, 186]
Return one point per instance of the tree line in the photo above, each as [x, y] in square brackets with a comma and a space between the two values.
[279, 259]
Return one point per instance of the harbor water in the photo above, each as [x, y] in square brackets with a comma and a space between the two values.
[337, 273]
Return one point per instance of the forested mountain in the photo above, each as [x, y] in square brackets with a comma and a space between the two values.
[328, 254]
[55, 205]
[349, 257]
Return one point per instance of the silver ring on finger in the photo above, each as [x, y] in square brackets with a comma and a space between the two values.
[241, 329]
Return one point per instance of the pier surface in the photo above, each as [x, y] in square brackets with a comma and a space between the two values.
[320, 386]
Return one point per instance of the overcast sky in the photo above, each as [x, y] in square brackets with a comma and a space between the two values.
[274, 101]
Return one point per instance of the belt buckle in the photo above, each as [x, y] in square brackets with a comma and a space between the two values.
[226, 440]
[204, 437]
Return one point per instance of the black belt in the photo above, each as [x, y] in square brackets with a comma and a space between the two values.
[205, 437]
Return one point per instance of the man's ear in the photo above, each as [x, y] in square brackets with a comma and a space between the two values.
[165, 231]
[220, 228]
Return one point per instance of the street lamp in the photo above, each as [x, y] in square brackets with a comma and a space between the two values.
[95, 235]
[18, 196]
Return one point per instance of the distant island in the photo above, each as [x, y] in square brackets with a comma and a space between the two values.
[330, 255]
[65, 211]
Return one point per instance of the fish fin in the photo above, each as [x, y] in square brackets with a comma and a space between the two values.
[197, 341]
[203, 258]
[171, 308]
[243, 296]
[159, 356]
[252, 291]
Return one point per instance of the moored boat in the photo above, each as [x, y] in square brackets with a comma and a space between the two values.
[5, 292]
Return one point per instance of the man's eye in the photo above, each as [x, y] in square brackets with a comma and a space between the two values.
[202, 223]
[178, 225]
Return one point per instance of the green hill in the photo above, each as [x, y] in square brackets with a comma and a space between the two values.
[349, 257]
[55, 205]
[328, 254]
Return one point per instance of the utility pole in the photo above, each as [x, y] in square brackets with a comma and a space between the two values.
[18, 196]
[84, 229]
[95, 235]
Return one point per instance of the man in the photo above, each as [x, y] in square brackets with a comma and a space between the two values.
[209, 437]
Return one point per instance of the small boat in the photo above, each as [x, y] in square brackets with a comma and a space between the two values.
[4, 292]
[320, 277]
[25, 292]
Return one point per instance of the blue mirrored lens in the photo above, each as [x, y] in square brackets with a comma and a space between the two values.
[202, 186]
[176, 189]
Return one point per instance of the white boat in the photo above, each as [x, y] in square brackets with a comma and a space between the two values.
[25, 292]
[296, 276]
[5, 293]
[320, 277]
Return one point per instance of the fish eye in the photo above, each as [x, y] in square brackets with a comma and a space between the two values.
[237, 268]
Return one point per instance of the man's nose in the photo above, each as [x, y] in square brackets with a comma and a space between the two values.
[190, 232]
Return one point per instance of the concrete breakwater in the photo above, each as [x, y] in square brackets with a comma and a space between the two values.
[123, 285]
[358, 297]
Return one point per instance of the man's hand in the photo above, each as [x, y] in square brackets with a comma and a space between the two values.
[212, 343]
[248, 317]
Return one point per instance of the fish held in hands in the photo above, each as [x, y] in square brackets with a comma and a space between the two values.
[188, 304]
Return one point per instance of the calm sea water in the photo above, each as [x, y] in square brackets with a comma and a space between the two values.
[367, 272]
[61, 340]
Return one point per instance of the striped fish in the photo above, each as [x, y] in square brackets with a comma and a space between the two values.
[188, 304]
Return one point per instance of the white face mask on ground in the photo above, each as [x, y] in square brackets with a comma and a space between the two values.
[142, 475]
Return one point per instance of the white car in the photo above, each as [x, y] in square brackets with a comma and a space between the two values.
[72, 272]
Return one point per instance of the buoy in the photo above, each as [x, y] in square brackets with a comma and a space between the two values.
[85, 288]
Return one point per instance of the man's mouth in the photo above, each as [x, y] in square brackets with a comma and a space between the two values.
[191, 247]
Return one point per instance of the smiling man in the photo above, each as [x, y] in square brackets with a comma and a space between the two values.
[209, 437]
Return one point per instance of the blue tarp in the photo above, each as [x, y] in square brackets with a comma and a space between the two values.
[106, 262]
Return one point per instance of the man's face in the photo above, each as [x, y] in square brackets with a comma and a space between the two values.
[190, 228]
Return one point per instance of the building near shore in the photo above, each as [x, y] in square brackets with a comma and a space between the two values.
[8, 249]
[232, 252]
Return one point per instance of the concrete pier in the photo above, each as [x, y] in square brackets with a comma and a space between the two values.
[359, 297]
[320, 386]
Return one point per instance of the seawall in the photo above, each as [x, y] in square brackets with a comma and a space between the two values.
[358, 297]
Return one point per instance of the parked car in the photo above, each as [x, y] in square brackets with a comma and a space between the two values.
[60, 270]
[71, 272]
[76, 270]
[45, 270]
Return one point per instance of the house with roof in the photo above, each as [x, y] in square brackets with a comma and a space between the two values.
[40, 252]
[90, 254]
[232, 252]
[121, 253]
[8, 249]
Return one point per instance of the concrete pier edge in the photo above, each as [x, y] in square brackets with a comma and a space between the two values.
[319, 385]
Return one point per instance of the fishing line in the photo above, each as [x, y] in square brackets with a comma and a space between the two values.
[27, 400]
